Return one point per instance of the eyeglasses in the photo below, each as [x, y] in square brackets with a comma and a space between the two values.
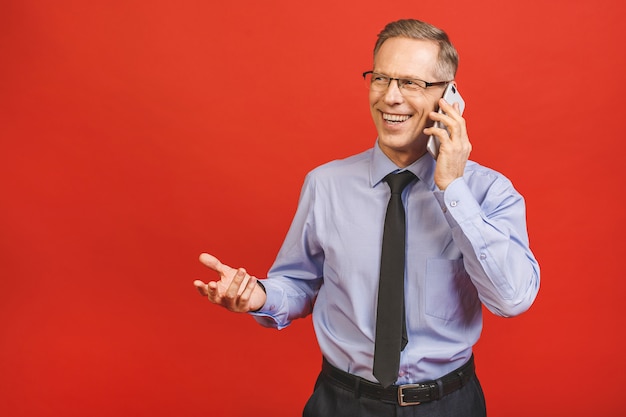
[408, 86]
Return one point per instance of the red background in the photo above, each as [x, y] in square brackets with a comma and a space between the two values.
[137, 134]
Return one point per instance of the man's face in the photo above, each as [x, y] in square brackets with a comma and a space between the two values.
[400, 119]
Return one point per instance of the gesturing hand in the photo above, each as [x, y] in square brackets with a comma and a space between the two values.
[235, 290]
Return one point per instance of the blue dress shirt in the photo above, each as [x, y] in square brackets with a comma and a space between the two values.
[466, 246]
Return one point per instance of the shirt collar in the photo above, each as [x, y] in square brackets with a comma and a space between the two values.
[381, 165]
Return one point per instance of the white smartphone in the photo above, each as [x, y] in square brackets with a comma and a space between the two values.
[451, 95]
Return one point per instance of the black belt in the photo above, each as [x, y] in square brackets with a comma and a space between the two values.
[409, 394]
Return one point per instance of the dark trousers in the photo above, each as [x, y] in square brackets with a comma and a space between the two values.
[331, 400]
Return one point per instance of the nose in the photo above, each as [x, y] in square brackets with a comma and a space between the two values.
[393, 94]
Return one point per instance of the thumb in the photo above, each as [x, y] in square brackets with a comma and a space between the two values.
[212, 262]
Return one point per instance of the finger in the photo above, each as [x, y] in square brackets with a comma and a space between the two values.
[245, 296]
[213, 263]
[454, 125]
[451, 110]
[201, 287]
[441, 120]
[213, 292]
[440, 132]
[223, 270]
[234, 289]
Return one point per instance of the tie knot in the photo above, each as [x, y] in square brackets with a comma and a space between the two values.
[397, 182]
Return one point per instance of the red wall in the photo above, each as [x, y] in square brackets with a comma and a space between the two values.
[137, 134]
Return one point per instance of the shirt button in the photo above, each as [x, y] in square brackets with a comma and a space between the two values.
[401, 373]
[483, 256]
[453, 203]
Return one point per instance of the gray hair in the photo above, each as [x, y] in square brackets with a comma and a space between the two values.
[448, 59]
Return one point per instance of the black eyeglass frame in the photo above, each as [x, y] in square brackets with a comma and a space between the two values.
[401, 81]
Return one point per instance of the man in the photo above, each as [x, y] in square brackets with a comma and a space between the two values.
[466, 245]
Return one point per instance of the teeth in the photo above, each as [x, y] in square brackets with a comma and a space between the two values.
[395, 117]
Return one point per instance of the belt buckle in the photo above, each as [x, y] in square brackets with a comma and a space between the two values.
[401, 389]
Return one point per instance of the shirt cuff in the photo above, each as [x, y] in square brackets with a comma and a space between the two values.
[457, 202]
[267, 314]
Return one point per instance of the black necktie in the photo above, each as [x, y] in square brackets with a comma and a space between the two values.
[391, 335]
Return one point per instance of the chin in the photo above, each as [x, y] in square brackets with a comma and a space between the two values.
[397, 142]
[405, 145]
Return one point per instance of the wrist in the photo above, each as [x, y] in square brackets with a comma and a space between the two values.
[260, 284]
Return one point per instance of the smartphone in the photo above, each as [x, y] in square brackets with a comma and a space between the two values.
[451, 95]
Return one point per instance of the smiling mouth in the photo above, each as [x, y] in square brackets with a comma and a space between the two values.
[396, 118]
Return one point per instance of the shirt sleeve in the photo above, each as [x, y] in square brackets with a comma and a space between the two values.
[296, 275]
[489, 226]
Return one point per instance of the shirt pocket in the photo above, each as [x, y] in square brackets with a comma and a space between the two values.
[449, 292]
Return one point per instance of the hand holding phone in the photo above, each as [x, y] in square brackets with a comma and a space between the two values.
[450, 95]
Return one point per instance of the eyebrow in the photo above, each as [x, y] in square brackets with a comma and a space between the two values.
[404, 77]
